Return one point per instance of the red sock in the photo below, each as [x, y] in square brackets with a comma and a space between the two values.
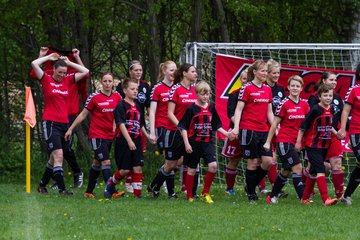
[189, 186]
[129, 177]
[117, 177]
[309, 187]
[262, 184]
[184, 174]
[209, 177]
[137, 183]
[338, 181]
[230, 175]
[272, 173]
[323, 189]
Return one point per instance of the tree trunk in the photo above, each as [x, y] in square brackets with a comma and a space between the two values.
[195, 33]
[153, 45]
[219, 9]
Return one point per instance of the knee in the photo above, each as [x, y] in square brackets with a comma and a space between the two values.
[212, 167]
[191, 171]
[336, 164]
[233, 163]
[106, 162]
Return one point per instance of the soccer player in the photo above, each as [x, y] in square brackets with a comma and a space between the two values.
[128, 149]
[290, 113]
[143, 98]
[101, 104]
[334, 154]
[255, 110]
[197, 126]
[158, 118]
[352, 104]
[316, 130]
[55, 115]
[182, 95]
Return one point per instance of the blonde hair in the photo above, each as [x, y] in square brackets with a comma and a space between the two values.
[271, 63]
[296, 78]
[255, 66]
[163, 66]
[202, 87]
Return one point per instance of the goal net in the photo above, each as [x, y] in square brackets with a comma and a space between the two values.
[322, 56]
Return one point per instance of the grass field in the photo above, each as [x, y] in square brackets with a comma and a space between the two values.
[35, 216]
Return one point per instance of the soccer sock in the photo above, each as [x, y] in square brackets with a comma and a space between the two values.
[262, 184]
[338, 181]
[58, 173]
[106, 171]
[117, 177]
[170, 183]
[323, 189]
[353, 182]
[93, 177]
[196, 182]
[189, 186]
[158, 180]
[47, 175]
[137, 183]
[184, 174]
[260, 174]
[129, 177]
[70, 158]
[272, 173]
[278, 185]
[251, 178]
[309, 187]
[209, 177]
[298, 184]
[230, 176]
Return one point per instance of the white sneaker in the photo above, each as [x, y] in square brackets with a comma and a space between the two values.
[346, 200]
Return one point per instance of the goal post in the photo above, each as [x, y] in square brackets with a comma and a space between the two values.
[323, 56]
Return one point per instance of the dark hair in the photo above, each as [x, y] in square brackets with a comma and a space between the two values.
[60, 63]
[107, 73]
[323, 89]
[126, 81]
[357, 73]
[324, 76]
[178, 75]
[133, 62]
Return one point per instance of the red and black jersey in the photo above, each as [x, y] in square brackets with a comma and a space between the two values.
[143, 96]
[231, 105]
[56, 96]
[353, 98]
[130, 115]
[200, 122]
[254, 114]
[292, 114]
[182, 97]
[160, 94]
[337, 106]
[278, 94]
[317, 127]
[102, 107]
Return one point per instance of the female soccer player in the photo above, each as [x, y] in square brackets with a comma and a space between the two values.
[334, 155]
[55, 115]
[290, 113]
[254, 110]
[101, 104]
[197, 126]
[352, 104]
[316, 130]
[158, 112]
[182, 95]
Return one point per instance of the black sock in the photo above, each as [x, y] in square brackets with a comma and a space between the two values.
[196, 182]
[58, 173]
[93, 177]
[251, 184]
[170, 183]
[261, 173]
[353, 182]
[298, 184]
[106, 171]
[70, 158]
[159, 179]
[48, 173]
[278, 185]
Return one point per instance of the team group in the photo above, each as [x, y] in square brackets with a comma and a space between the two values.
[183, 122]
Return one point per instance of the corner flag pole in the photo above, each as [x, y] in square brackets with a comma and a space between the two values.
[28, 158]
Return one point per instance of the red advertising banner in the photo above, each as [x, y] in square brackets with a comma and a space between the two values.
[229, 68]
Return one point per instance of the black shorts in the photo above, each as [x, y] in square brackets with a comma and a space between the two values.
[174, 145]
[288, 155]
[252, 143]
[125, 158]
[205, 150]
[101, 148]
[355, 145]
[160, 141]
[54, 133]
[316, 157]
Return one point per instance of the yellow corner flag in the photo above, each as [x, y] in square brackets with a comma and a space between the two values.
[30, 118]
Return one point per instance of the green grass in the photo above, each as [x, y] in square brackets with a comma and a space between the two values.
[35, 216]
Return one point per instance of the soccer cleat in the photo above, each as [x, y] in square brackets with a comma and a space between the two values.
[252, 197]
[42, 189]
[78, 179]
[272, 200]
[55, 186]
[109, 190]
[173, 196]
[305, 201]
[129, 188]
[346, 200]
[206, 198]
[265, 192]
[230, 192]
[282, 194]
[329, 201]
[89, 195]
[65, 192]
[117, 194]
[154, 194]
